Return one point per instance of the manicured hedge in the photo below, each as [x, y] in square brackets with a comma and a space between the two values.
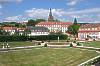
[13, 38]
[25, 38]
[50, 37]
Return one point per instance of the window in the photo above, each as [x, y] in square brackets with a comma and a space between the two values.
[92, 28]
[95, 28]
[54, 25]
[88, 28]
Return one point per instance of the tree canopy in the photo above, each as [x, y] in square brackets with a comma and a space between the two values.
[32, 22]
[73, 29]
[75, 21]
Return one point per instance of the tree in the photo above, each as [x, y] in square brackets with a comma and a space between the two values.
[19, 25]
[31, 22]
[73, 29]
[2, 32]
[40, 20]
[75, 21]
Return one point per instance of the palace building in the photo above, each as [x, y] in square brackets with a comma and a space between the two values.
[89, 31]
[55, 26]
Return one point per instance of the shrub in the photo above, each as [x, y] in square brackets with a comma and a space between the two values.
[4, 38]
[39, 43]
[74, 41]
[67, 41]
[78, 44]
[71, 45]
[45, 45]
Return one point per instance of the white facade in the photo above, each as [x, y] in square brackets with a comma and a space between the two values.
[36, 31]
[55, 26]
[89, 31]
[39, 33]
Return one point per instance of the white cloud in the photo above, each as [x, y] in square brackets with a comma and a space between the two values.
[75, 16]
[91, 10]
[37, 13]
[59, 12]
[8, 1]
[85, 15]
[43, 13]
[72, 2]
[82, 15]
[2, 2]
[13, 18]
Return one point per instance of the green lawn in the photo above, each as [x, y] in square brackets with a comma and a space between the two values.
[17, 44]
[92, 44]
[46, 57]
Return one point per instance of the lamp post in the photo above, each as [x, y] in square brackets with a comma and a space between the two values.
[7, 46]
[58, 39]
[3, 46]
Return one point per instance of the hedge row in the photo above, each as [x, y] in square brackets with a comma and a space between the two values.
[26, 38]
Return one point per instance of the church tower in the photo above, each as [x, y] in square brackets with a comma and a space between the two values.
[50, 18]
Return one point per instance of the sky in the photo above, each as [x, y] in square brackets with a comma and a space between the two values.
[86, 11]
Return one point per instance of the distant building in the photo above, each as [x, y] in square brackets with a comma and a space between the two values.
[55, 26]
[89, 31]
[20, 30]
[23, 23]
[36, 31]
[13, 30]
[50, 18]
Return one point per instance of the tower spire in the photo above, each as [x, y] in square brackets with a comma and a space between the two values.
[50, 18]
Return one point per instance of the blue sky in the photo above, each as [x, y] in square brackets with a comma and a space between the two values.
[64, 10]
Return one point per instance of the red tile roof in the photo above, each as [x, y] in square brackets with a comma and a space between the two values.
[88, 27]
[89, 31]
[54, 23]
[12, 28]
[8, 28]
[92, 25]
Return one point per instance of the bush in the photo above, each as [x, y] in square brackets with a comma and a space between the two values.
[39, 43]
[71, 45]
[4, 38]
[86, 39]
[78, 44]
[67, 41]
[45, 45]
[93, 39]
[74, 41]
